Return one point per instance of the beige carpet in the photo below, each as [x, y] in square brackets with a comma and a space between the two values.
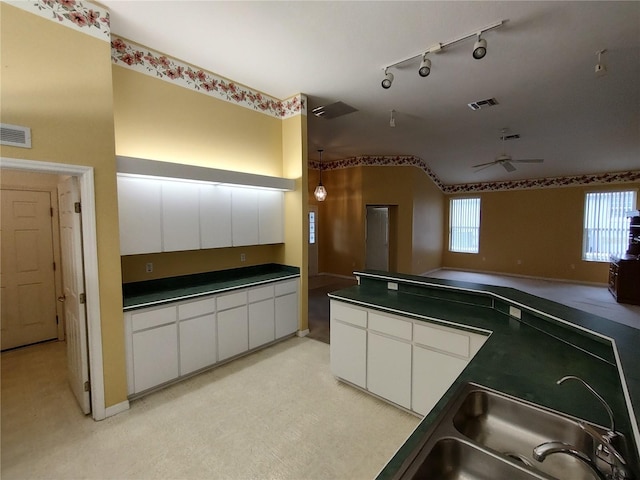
[278, 413]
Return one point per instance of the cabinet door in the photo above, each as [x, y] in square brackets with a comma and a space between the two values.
[197, 343]
[139, 214]
[286, 315]
[215, 216]
[180, 216]
[233, 332]
[348, 350]
[261, 323]
[271, 216]
[433, 374]
[389, 369]
[244, 216]
[155, 356]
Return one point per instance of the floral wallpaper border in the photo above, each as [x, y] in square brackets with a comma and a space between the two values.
[79, 15]
[413, 161]
[143, 60]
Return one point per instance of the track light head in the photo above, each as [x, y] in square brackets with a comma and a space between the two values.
[387, 80]
[480, 48]
[425, 67]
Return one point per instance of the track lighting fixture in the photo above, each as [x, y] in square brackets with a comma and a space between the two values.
[392, 120]
[480, 48]
[387, 80]
[479, 51]
[425, 66]
[320, 192]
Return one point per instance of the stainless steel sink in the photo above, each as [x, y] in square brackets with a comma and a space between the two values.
[485, 434]
[451, 459]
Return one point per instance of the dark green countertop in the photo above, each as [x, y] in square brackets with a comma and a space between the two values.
[522, 357]
[156, 292]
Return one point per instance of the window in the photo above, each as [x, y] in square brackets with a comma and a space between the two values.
[312, 228]
[606, 226]
[464, 225]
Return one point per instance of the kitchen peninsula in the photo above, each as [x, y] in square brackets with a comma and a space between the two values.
[532, 342]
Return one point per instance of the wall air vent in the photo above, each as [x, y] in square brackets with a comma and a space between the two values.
[490, 102]
[15, 135]
[333, 110]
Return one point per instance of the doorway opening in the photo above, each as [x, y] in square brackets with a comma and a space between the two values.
[84, 178]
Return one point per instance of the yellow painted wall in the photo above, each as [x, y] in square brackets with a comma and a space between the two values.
[161, 121]
[416, 216]
[294, 166]
[533, 233]
[58, 82]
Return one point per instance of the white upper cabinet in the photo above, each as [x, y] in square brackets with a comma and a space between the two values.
[180, 216]
[271, 216]
[244, 216]
[215, 216]
[139, 209]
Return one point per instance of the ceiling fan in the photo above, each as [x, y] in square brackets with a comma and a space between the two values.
[506, 160]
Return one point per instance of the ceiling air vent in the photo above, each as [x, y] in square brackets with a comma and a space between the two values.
[15, 135]
[490, 102]
[515, 136]
[333, 110]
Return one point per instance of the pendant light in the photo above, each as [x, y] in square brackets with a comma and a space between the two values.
[320, 192]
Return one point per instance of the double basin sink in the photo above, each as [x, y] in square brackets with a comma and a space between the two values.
[485, 434]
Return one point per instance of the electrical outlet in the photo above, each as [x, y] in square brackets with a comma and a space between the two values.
[392, 285]
[243, 257]
[515, 312]
[149, 267]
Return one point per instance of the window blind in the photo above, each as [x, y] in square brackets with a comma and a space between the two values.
[606, 226]
[464, 225]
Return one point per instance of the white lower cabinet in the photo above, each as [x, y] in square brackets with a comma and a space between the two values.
[198, 346]
[433, 373]
[262, 325]
[233, 332]
[286, 314]
[389, 368]
[155, 356]
[409, 362]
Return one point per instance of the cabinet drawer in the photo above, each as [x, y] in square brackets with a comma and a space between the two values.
[196, 308]
[232, 300]
[348, 314]
[441, 339]
[286, 287]
[390, 325]
[152, 318]
[260, 293]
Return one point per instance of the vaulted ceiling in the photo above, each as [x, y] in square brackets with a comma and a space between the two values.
[539, 66]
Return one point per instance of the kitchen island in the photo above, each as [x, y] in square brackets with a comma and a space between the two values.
[532, 343]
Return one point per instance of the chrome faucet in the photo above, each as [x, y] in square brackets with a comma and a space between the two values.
[612, 462]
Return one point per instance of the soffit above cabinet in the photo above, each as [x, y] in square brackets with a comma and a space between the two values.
[153, 168]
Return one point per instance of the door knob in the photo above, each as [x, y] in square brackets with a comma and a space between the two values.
[62, 298]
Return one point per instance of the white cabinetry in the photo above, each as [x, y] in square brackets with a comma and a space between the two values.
[348, 343]
[197, 332]
[389, 359]
[140, 215]
[409, 362]
[154, 348]
[271, 216]
[262, 324]
[180, 216]
[244, 217]
[286, 308]
[215, 216]
[233, 327]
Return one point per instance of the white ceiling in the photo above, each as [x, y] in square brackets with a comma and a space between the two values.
[539, 66]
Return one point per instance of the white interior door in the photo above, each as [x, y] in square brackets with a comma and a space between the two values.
[377, 243]
[313, 240]
[27, 279]
[74, 291]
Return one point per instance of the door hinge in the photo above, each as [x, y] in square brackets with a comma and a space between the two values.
[54, 266]
[57, 320]
[77, 208]
[87, 386]
[83, 298]
[51, 211]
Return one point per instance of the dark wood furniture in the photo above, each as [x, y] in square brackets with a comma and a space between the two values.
[624, 279]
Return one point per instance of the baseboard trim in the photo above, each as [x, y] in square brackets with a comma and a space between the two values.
[302, 333]
[117, 408]
[530, 277]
